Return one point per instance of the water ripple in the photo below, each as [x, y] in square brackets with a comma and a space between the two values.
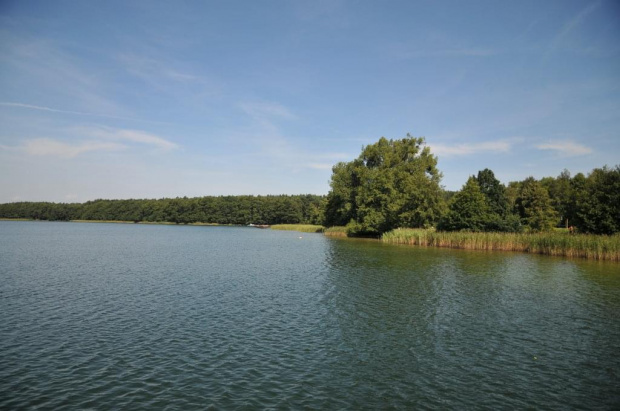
[158, 317]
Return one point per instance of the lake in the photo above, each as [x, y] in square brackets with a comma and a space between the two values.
[115, 316]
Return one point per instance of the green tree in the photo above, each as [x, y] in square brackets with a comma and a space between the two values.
[560, 192]
[469, 209]
[598, 202]
[494, 191]
[534, 206]
[393, 183]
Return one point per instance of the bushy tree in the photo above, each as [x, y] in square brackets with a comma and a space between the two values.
[534, 206]
[393, 183]
[468, 210]
[598, 201]
[472, 209]
[494, 191]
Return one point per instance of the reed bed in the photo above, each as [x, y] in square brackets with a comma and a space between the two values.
[596, 247]
[336, 231]
[304, 228]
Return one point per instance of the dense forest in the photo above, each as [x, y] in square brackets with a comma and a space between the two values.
[239, 210]
[392, 184]
[396, 184]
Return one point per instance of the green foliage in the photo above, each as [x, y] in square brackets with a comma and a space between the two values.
[598, 201]
[304, 228]
[494, 191]
[393, 183]
[560, 193]
[468, 210]
[534, 206]
[240, 210]
[336, 231]
[597, 247]
[480, 207]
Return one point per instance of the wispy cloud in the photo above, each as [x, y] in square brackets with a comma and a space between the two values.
[56, 148]
[465, 149]
[574, 22]
[44, 66]
[135, 136]
[169, 76]
[568, 27]
[55, 110]
[90, 139]
[565, 148]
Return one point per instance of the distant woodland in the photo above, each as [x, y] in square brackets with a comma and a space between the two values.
[392, 184]
[238, 210]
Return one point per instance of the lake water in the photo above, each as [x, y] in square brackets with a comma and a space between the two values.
[112, 316]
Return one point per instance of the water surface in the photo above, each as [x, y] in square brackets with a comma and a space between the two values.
[110, 316]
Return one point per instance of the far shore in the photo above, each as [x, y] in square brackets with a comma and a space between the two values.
[559, 243]
[121, 222]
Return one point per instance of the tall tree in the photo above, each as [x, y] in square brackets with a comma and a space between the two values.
[393, 183]
[598, 204]
[468, 210]
[534, 206]
[494, 191]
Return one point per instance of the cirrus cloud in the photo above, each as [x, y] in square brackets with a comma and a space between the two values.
[565, 148]
[55, 148]
[465, 149]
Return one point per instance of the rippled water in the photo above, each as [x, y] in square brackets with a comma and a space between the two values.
[108, 316]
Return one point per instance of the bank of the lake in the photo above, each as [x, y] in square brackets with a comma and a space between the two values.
[555, 243]
[303, 228]
[596, 247]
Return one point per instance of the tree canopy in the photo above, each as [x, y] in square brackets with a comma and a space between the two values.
[480, 207]
[393, 183]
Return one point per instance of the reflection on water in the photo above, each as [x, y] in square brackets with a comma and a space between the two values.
[128, 316]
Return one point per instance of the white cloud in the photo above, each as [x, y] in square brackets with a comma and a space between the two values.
[91, 139]
[55, 110]
[55, 148]
[135, 136]
[466, 149]
[565, 148]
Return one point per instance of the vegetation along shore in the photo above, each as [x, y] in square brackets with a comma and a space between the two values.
[393, 191]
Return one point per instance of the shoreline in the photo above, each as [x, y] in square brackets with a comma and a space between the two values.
[583, 246]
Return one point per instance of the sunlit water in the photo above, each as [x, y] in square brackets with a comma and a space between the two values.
[109, 316]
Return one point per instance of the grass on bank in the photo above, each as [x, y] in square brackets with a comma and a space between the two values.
[597, 247]
[304, 228]
[336, 231]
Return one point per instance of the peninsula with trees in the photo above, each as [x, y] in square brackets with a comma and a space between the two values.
[393, 191]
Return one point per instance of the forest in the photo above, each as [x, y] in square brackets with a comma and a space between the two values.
[392, 184]
[396, 184]
[236, 210]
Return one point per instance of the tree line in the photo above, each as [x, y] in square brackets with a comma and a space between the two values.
[396, 184]
[238, 210]
[392, 184]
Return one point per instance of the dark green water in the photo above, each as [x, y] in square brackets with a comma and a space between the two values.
[107, 316]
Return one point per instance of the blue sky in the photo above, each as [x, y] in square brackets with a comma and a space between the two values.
[145, 99]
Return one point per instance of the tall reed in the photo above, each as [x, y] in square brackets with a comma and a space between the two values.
[597, 247]
[336, 231]
[304, 228]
